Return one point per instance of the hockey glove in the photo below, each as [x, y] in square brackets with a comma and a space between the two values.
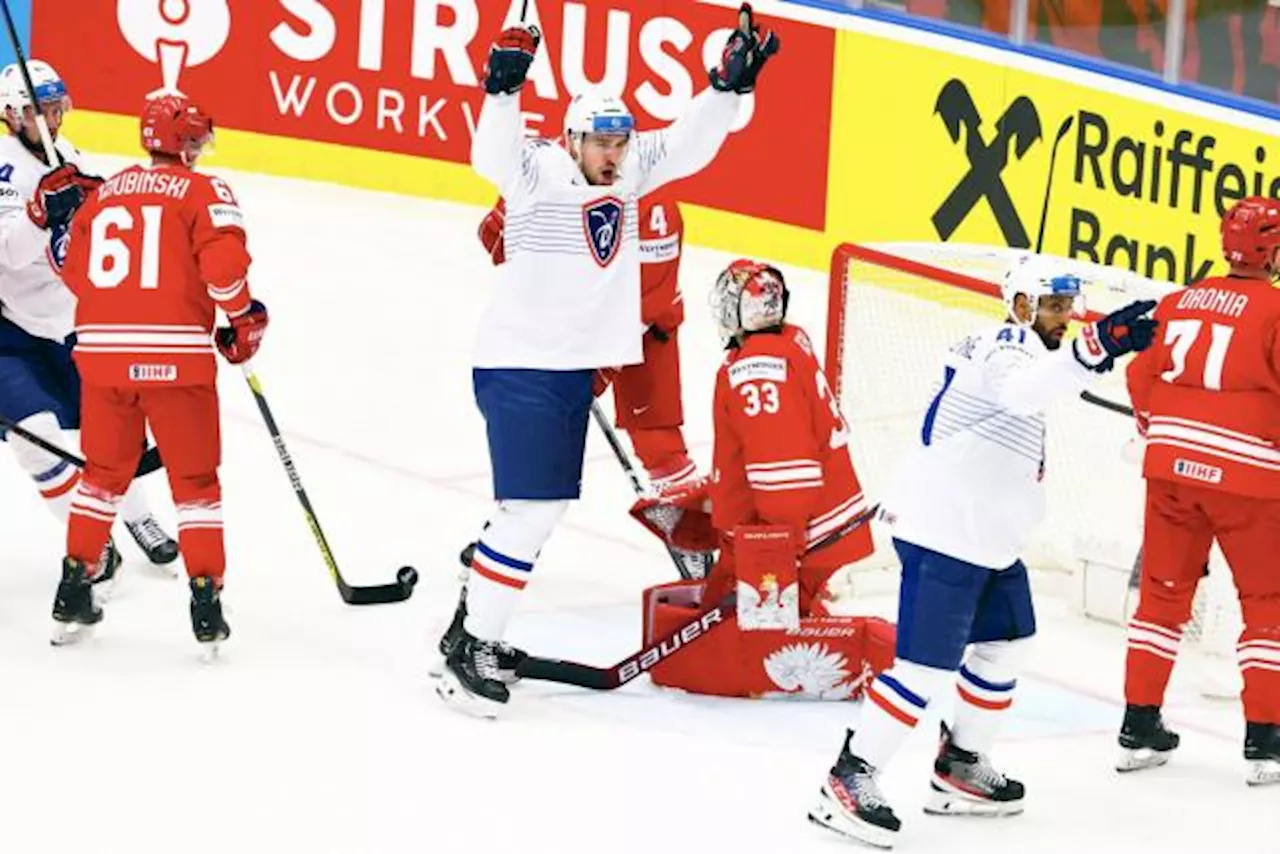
[744, 55]
[239, 341]
[1122, 331]
[509, 60]
[59, 195]
[491, 232]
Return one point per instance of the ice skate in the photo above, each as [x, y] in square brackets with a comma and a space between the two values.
[159, 547]
[509, 657]
[1262, 754]
[75, 612]
[965, 783]
[471, 681]
[1144, 740]
[851, 804]
[207, 622]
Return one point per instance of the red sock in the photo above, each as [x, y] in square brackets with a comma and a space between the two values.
[1153, 649]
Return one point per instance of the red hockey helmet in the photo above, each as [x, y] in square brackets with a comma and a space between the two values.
[1251, 234]
[172, 125]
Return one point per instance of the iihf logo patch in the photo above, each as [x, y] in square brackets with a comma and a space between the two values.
[602, 220]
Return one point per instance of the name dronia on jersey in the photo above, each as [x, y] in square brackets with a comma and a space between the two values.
[1230, 303]
[145, 183]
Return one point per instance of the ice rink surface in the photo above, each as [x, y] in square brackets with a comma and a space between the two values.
[318, 730]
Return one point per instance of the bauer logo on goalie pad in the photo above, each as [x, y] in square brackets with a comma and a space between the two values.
[602, 221]
[1197, 471]
[226, 216]
[772, 368]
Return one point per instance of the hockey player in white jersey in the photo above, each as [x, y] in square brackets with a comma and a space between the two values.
[566, 302]
[962, 507]
[39, 383]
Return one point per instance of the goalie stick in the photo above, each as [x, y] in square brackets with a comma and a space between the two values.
[629, 467]
[609, 678]
[379, 594]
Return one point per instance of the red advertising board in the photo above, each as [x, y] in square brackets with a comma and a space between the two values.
[404, 76]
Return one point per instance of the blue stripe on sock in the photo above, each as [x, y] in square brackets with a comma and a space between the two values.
[984, 684]
[496, 557]
[901, 690]
[46, 476]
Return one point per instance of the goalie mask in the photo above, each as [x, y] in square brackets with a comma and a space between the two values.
[1036, 277]
[748, 297]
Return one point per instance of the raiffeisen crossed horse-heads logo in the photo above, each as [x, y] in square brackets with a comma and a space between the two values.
[175, 34]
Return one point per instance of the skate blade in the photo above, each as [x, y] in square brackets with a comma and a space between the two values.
[457, 697]
[210, 651]
[102, 591]
[946, 800]
[69, 634]
[1262, 772]
[829, 814]
[1140, 759]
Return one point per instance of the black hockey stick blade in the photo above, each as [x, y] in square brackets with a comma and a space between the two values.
[1110, 405]
[406, 577]
[609, 678]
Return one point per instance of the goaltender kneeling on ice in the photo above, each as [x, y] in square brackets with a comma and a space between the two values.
[786, 512]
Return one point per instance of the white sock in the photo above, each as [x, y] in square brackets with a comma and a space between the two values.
[504, 561]
[135, 507]
[54, 477]
[895, 702]
[985, 683]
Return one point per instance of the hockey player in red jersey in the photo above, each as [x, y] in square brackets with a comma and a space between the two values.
[781, 454]
[646, 396]
[1208, 401]
[153, 252]
[783, 481]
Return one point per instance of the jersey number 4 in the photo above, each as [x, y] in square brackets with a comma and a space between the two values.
[1180, 336]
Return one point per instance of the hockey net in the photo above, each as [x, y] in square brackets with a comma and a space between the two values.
[893, 311]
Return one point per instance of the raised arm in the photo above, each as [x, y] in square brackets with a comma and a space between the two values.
[498, 148]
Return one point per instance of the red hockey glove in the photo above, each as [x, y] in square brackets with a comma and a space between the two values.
[59, 195]
[491, 231]
[239, 341]
[510, 56]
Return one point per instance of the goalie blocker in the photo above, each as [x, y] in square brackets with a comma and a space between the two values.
[770, 647]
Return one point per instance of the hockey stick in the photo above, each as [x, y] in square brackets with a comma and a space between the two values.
[150, 458]
[1109, 405]
[625, 461]
[609, 678]
[406, 577]
[1048, 184]
[46, 138]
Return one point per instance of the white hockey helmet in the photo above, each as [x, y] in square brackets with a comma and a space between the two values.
[748, 296]
[50, 89]
[1036, 277]
[593, 111]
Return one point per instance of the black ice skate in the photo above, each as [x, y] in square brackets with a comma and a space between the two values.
[159, 547]
[850, 802]
[1144, 740]
[965, 783]
[74, 610]
[471, 679]
[1262, 754]
[207, 622]
[509, 657]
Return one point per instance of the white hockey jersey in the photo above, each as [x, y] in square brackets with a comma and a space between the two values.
[568, 296]
[972, 488]
[32, 295]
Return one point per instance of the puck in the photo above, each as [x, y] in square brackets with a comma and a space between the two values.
[407, 576]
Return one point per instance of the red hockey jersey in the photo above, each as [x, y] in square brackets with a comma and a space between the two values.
[152, 252]
[781, 445]
[661, 244]
[1207, 392]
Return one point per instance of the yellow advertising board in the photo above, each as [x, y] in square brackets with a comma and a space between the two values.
[934, 146]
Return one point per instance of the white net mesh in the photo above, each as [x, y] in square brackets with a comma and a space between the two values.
[901, 310]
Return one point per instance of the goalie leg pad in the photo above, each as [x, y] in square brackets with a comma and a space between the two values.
[768, 583]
